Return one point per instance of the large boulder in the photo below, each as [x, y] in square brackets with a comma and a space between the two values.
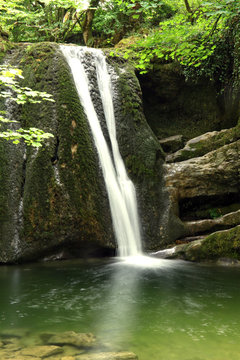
[50, 196]
[53, 199]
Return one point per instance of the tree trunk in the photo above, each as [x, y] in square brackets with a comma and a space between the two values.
[87, 27]
[88, 21]
[189, 10]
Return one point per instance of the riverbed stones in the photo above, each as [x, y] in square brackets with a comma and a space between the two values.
[16, 357]
[125, 355]
[70, 346]
[43, 351]
[72, 338]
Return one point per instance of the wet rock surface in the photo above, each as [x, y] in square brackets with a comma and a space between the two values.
[222, 247]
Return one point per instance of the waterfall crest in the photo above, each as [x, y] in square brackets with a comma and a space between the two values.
[120, 189]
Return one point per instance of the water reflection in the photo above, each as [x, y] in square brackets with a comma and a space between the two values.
[121, 308]
[119, 317]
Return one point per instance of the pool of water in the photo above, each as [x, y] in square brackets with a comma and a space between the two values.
[173, 310]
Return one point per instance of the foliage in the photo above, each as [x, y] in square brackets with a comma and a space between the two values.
[27, 20]
[194, 44]
[148, 10]
[11, 90]
[188, 31]
[58, 20]
[116, 18]
[214, 213]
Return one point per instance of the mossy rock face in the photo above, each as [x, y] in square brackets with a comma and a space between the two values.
[175, 106]
[58, 199]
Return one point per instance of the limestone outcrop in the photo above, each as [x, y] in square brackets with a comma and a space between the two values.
[203, 180]
[205, 143]
[215, 173]
[53, 200]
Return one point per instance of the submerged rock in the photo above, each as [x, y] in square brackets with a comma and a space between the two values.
[109, 356]
[43, 351]
[67, 345]
[72, 338]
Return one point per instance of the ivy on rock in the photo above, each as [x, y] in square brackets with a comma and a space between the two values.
[12, 91]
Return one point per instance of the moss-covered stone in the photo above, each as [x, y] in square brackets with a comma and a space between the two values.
[205, 143]
[58, 200]
[221, 244]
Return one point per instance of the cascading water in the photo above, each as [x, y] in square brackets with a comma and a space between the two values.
[120, 189]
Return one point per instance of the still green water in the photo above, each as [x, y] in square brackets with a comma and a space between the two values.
[173, 311]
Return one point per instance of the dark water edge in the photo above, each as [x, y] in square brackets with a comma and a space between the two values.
[172, 310]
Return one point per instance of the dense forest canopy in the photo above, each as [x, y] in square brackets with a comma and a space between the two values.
[185, 30]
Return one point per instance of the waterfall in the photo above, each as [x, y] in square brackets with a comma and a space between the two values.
[120, 189]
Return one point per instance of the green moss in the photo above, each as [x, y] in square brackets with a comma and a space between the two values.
[142, 153]
[137, 167]
[5, 45]
[213, 143]
[217, 245]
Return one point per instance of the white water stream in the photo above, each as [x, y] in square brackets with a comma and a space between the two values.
[120, 189]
